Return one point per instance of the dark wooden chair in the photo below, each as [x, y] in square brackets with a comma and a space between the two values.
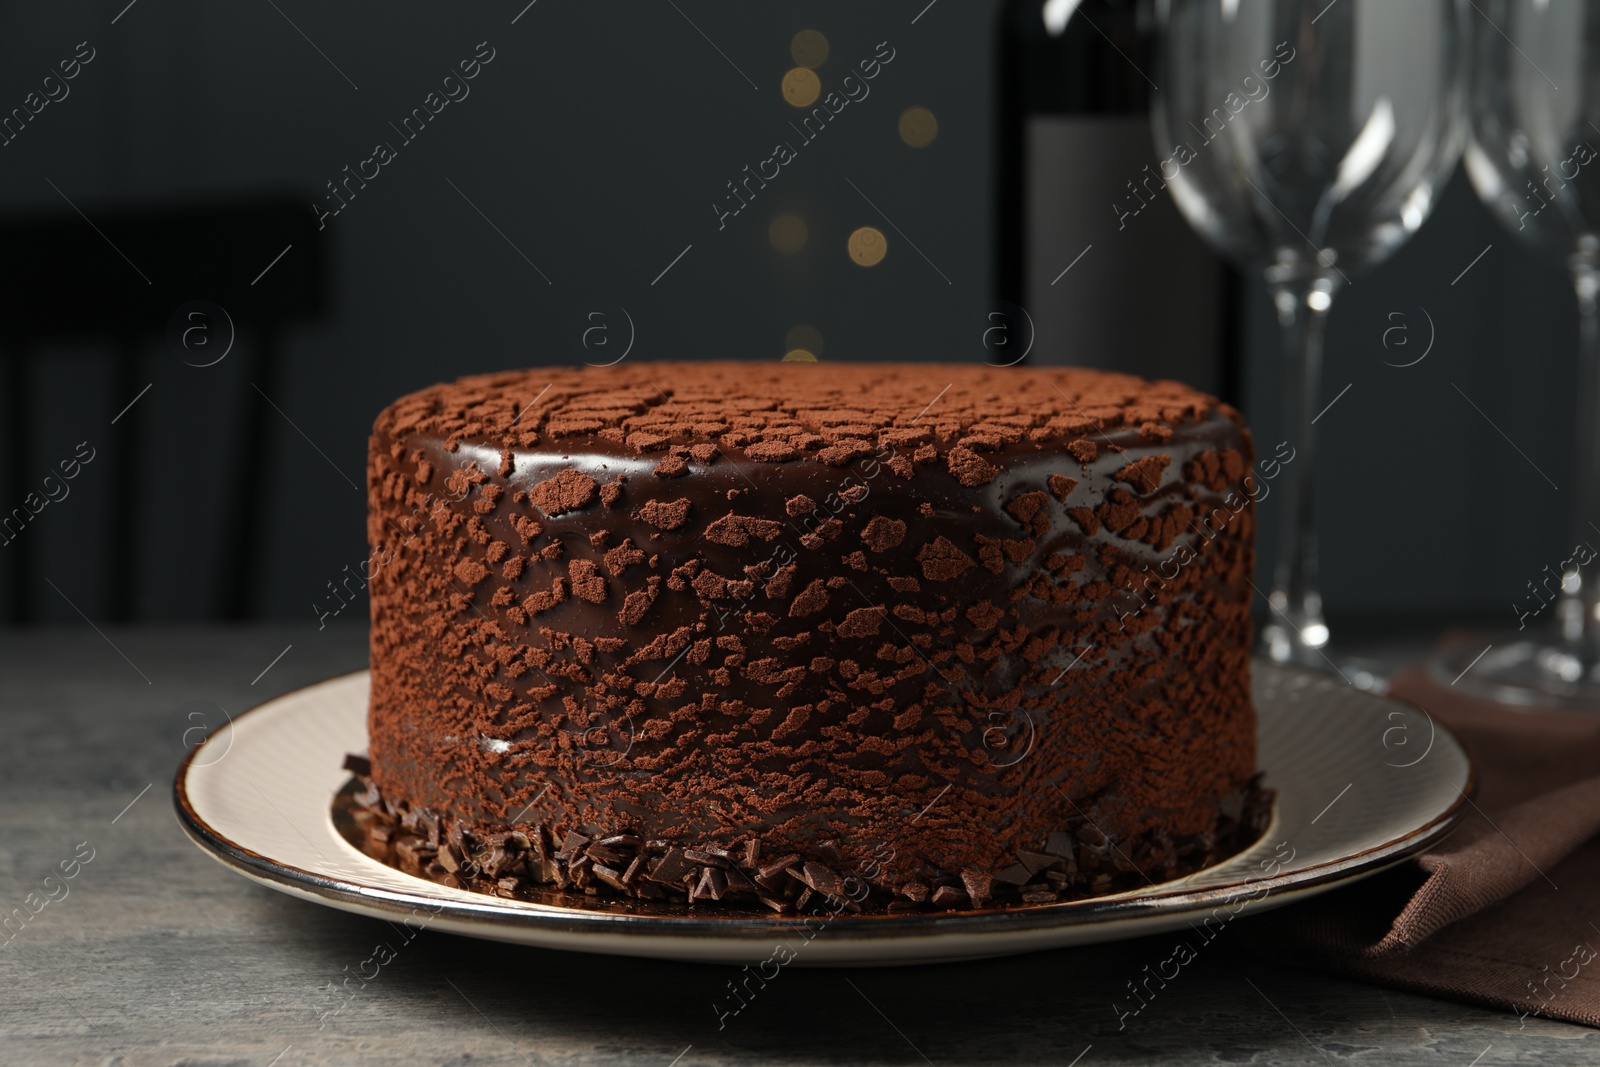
[67, 278]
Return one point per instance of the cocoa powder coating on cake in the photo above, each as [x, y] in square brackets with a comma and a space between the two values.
[815, 610]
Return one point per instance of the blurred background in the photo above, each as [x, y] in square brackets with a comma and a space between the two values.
[179, 307]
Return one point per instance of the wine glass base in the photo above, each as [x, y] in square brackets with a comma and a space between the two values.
[1520, 671]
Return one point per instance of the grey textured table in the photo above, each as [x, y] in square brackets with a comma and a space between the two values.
[159, 956]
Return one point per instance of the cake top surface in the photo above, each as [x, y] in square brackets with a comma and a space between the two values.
[779, 412]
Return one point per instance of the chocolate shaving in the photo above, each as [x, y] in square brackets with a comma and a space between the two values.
[516, 863]
[777, 866]
[671, 869]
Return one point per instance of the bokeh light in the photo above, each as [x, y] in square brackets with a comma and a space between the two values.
[918, 127]
[801, 87]
[803, 337]
[809, 49]
[788, 233]
[798, 355]
[868, 246]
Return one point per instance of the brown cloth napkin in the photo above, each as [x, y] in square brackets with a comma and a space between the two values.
[1506, 912]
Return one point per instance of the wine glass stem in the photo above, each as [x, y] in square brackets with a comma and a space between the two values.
[1296, 631]
[1580, 592]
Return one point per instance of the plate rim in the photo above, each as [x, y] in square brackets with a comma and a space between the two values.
[492, 915]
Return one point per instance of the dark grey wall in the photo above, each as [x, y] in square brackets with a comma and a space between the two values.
[596, 142]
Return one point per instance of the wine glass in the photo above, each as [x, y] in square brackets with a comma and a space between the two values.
[1534, 158]
[1309, 139]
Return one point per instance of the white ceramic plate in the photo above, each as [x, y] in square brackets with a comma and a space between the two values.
[1362, 783]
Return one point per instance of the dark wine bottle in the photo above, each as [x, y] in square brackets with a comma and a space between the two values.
[1089, 243]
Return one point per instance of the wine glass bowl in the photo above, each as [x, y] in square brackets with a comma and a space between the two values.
[1314, 144]
[1309, 140]
[1532, 147]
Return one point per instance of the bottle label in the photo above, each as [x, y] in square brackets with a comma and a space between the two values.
[1113, 276]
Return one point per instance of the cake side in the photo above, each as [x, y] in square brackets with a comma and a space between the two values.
[832, 608]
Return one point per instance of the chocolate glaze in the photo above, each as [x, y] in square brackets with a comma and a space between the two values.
[829, 607]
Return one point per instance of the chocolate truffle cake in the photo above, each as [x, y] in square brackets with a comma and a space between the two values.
[903, 635]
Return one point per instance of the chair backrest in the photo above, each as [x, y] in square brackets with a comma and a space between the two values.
[121, 277]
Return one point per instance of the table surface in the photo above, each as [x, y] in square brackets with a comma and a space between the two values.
[158, 955]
